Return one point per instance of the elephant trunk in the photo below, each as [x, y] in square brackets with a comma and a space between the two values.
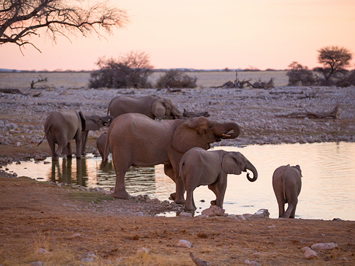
[232, 131]
[252, 168]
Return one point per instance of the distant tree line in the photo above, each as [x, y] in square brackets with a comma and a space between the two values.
[132, 71]
[334, 60]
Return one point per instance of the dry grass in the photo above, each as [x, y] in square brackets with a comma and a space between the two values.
[81, 79]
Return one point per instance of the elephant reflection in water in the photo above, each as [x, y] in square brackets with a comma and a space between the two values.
[62, 172]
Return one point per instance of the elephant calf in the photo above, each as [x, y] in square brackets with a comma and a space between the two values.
[200, 167]
[60, 128]
[100, 144]
[286, 182]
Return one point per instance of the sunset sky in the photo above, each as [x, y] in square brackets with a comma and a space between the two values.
[203, 34]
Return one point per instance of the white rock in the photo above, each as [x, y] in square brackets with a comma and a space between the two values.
[213, 211]
[320, 246]
[184, 244]
[142, 251]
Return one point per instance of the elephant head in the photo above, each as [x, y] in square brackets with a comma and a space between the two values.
[164, 107]
[236, 163]
[95, 122]
[200, 132]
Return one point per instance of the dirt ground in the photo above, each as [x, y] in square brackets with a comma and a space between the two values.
[39, 217]
[64, 226]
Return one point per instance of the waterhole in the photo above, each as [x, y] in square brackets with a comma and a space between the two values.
[328, 182]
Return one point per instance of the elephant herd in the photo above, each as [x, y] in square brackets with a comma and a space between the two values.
[140, 133]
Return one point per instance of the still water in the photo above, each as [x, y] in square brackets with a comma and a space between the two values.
[328, 183]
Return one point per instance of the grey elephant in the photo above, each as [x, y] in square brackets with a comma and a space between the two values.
[100, 144]
[60, 128]
[94, 122]
[151, 106]
[199, 167]
[135, 139]
[286, 182]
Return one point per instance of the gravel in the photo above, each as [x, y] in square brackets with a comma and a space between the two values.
[255, 110]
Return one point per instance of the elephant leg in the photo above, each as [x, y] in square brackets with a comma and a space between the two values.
[291, 209]
[68, 148]
[281, 204]
[51, 144]
[84, 140]
[214, 188]
[293, 213]
[189, 203]
[177, 196]
[121, 167]
[78, 147]
[222, 186]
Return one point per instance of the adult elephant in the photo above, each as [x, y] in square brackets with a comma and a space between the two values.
[60, 128]
[211, 168]
[151, 106]
[135, 139]
[93, 122]
[286, 182]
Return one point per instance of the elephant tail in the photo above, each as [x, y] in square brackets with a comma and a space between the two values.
[41, 140]
[45, 134]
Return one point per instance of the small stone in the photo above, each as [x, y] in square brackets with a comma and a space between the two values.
[37, 263]
[185, 214]
[184, 244]
[262, 213]
[213, 211]
[309, 253]
[87, 260]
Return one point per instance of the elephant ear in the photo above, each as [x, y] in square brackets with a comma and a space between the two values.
[82, 120]
[188, 135]
[158, 108]
[231, 164]
[299, 169]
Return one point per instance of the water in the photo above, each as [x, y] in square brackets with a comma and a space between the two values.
[328, 183]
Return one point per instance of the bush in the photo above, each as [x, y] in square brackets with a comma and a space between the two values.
[128, 71]
[347, 80]
[300, 75]
[176, 79]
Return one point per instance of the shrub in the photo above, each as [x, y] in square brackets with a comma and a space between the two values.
[131, 70]
[300, 75]
[176, 79]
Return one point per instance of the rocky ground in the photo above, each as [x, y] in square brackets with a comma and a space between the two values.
[257, 111]
[58, 225]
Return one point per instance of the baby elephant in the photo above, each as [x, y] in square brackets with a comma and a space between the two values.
[286, 182]
[200, 167]
[100, 144]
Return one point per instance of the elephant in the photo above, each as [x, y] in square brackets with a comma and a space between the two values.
[94, 122]
[286, 182]
[135, 139]
[151, 106]
[61, 127]
[100, 144]
[211, 168]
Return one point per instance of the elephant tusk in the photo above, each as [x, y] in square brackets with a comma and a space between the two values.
[226, 136]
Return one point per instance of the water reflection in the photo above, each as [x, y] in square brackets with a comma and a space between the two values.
[328, 182]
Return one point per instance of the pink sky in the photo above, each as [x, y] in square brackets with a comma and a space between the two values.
[204, 34]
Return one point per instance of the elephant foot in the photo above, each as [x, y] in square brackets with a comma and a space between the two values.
[177, 200]
[121, 195]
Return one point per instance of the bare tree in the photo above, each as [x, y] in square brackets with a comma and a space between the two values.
[22, 19]
[334, 60]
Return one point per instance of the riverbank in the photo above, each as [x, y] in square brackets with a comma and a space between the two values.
[63, 226]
